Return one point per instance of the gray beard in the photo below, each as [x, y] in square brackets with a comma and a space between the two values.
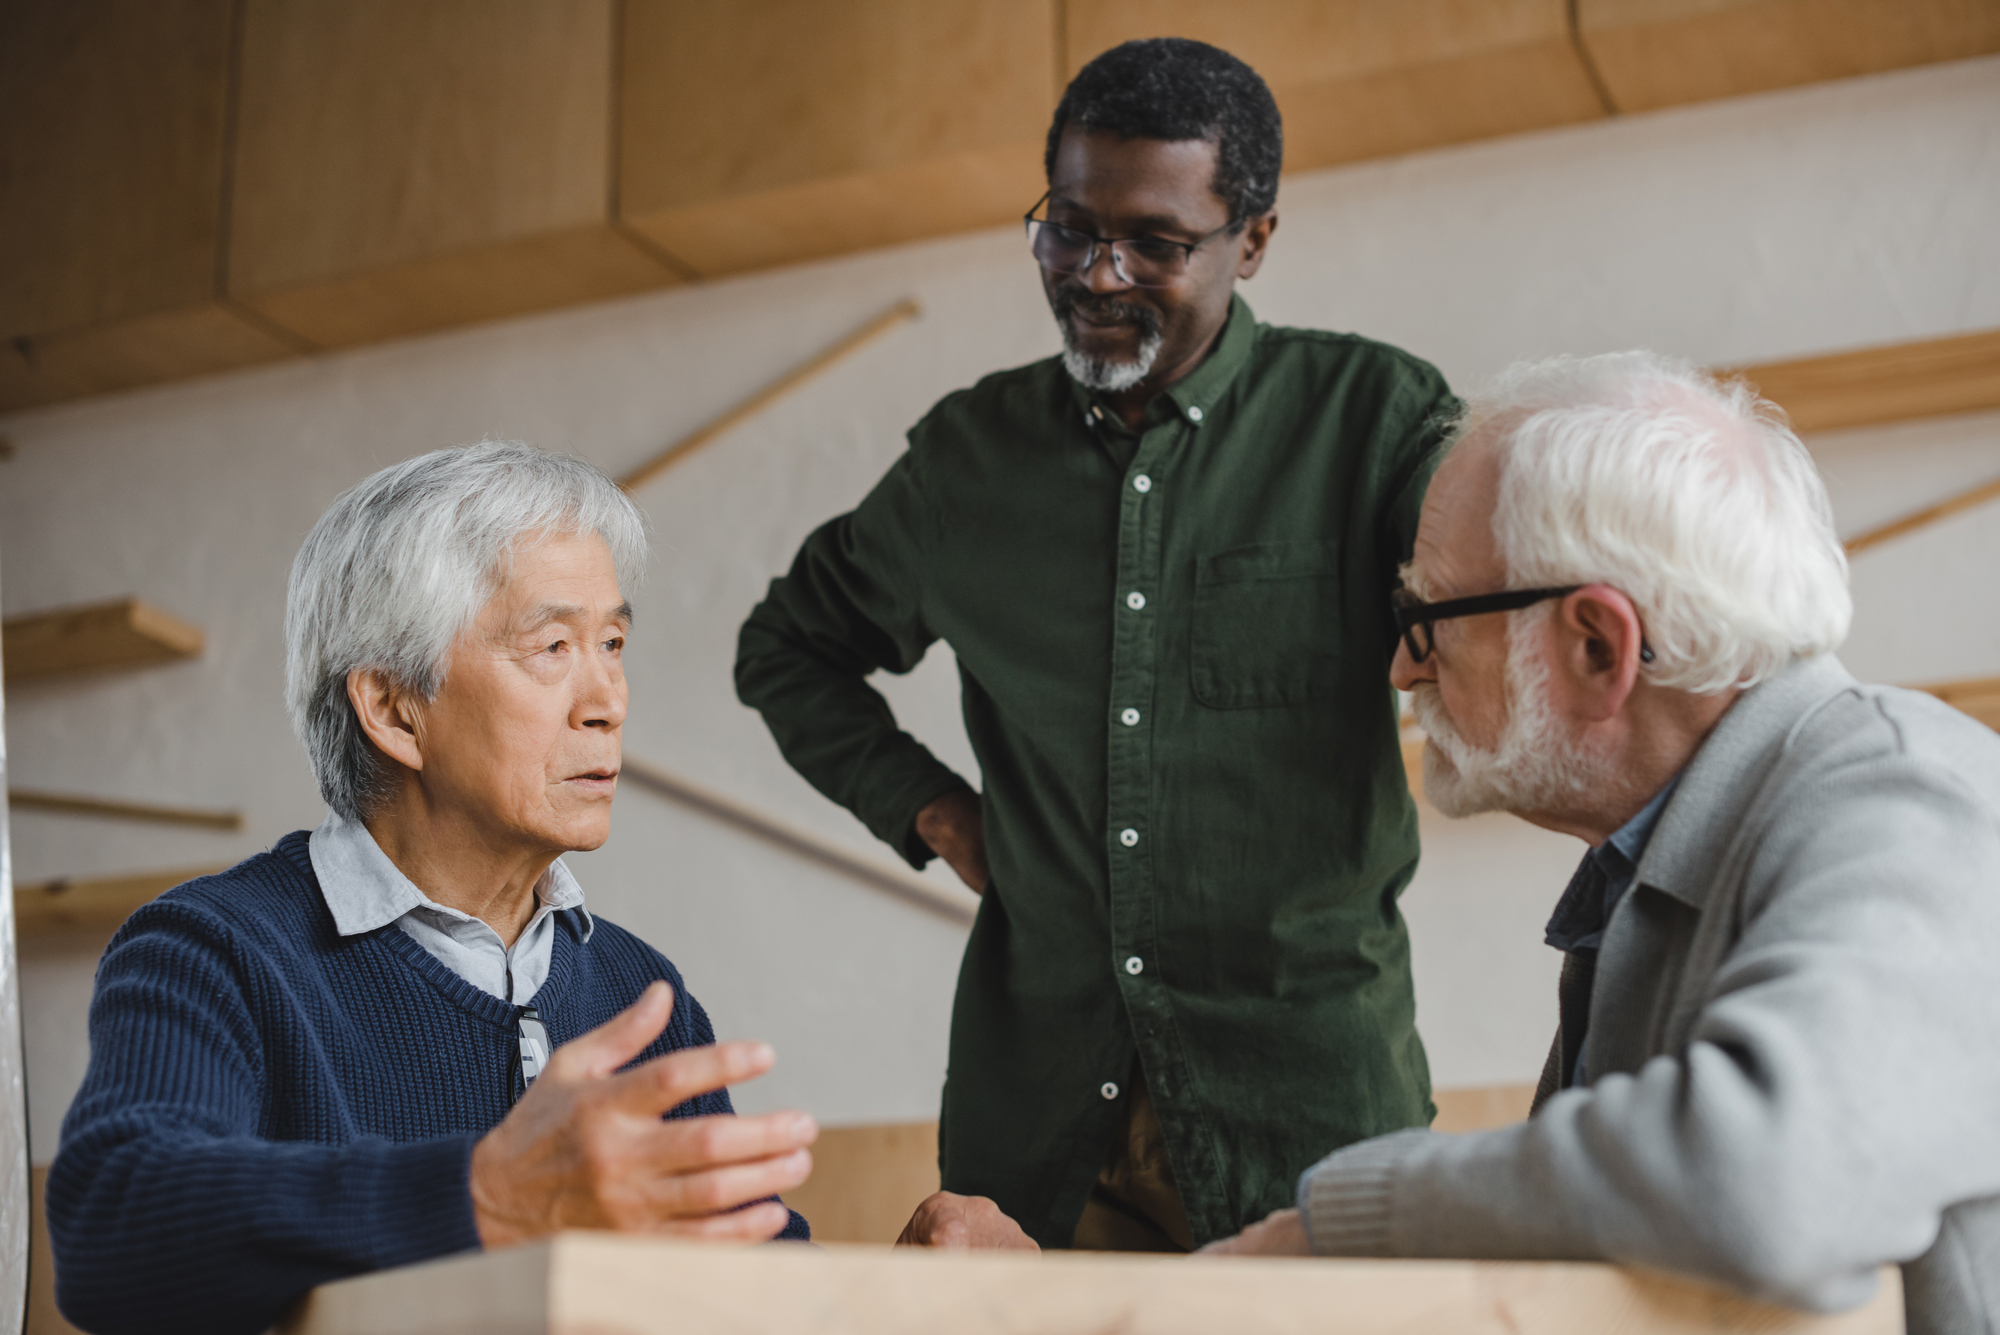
[1535, 768]
[1107, 376]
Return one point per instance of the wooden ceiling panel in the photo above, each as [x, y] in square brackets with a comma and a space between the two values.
[1663, 53]
[1367, 78]
[759, 132]
[113, 124]
[149, 349]
[111, 147]
[403, 167]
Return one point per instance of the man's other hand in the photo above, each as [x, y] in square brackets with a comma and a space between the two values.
[1280, 1233]
[964, 1223]
[952, 827]
[586, 1147]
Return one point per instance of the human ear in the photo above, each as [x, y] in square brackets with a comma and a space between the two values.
[388, 715]
[1256, 237]
[1605, 644]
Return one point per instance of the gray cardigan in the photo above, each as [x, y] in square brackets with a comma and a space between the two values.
[1794, 1040]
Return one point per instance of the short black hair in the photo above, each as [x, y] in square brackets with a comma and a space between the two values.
[1175, 88]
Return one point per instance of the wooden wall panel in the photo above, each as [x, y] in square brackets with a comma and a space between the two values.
[113, 116]
[1365, 78]
[1662, 53]
[403, 167]
[760, 132]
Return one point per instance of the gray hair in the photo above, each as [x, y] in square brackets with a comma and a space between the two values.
[1690, 495]
[398, 567]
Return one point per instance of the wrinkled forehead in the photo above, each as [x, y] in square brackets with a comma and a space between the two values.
[1455, 553]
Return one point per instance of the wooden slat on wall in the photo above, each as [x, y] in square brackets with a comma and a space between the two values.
[1663, 53]
[1356, 79]
[403, 167]
[1892, 383]
[759, 132]
[113, 116]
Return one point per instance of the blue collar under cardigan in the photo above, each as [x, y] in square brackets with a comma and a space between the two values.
[270, 1105]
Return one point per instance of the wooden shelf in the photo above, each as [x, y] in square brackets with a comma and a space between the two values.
[104, 902]
[123, 633]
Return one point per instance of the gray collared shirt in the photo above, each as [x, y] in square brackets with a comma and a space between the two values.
[364, 890]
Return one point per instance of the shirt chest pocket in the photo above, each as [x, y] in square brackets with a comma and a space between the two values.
[1265, 629]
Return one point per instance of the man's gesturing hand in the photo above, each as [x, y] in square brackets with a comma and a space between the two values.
[955, 831]
[586, 1147]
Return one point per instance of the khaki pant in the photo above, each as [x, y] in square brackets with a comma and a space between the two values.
[1134, 1205]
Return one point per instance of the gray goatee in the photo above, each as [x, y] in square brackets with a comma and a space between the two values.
[1105, 374]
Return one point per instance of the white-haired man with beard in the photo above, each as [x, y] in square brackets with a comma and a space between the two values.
[1778, 1057]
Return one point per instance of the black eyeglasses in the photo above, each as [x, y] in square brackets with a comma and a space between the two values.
[1414, 617]
[1141, 261]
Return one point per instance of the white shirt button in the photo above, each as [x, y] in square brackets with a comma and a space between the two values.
[1142, 483]
[1135, 965]
[1108, 1090]
[1135, 600]
[1129, 717]
[1129, 838]
[1194, 413]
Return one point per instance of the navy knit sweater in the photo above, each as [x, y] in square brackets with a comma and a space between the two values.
[271, 1105]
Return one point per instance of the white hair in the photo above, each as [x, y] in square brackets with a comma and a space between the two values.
[398, 567]
[1689, 495]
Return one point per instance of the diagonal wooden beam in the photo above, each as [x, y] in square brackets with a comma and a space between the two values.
[1924, 518]
[69, 804]
[903, 310]
[902, 884]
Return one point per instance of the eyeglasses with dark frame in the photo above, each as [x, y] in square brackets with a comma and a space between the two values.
[1140, 261]
[1414, 617]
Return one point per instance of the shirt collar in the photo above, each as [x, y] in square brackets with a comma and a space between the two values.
[364, 890]
[1605, 874]
[1629, 840]
[1203, 388]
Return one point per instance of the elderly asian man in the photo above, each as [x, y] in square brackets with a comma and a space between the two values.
[1778, 1061]
[403, 1035]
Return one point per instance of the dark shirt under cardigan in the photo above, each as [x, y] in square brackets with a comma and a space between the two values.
[270, 1105]
[1174, 648]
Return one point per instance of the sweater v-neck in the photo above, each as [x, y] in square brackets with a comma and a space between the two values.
[473, 1000]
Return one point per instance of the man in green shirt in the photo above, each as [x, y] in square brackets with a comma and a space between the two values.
[1163, 562]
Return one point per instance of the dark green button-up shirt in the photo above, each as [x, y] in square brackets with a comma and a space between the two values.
[1174, 649]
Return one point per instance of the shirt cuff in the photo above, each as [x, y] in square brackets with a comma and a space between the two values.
[1347, 1200]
